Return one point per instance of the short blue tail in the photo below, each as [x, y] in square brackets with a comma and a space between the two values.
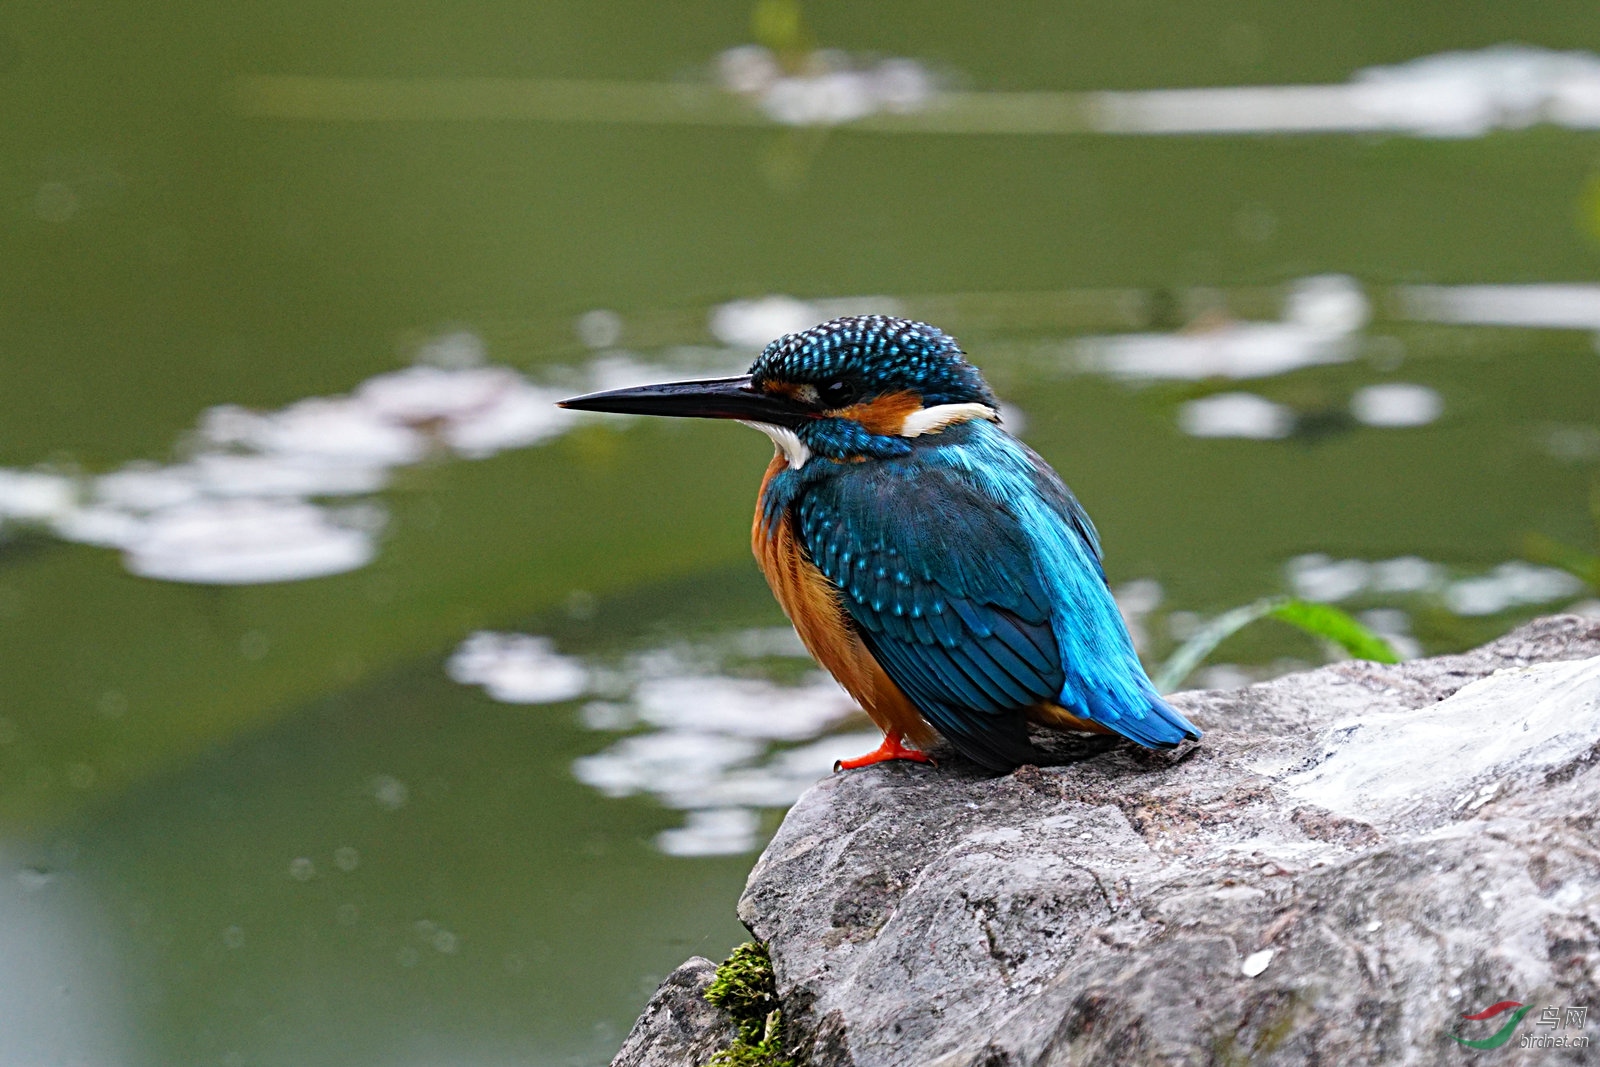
[1150, 721]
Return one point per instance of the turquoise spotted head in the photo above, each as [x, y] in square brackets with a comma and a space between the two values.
[853, 388]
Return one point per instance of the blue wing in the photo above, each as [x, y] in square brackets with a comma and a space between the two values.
[943, 579]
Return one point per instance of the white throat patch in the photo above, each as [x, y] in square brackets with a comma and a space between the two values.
[794, 450]
[936, 418]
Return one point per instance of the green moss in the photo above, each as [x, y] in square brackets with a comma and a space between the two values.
[745, 989]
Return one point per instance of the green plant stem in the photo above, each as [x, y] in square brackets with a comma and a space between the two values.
[1319, 620]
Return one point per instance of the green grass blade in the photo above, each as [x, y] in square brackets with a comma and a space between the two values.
[1325, 620]
[1193, 652]
[1319, 620]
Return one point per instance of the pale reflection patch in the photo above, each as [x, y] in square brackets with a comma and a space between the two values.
[706, 731]
[1136, 600]
[1547, 306]
[1395, 405]
[754, 322]
[1321, 319]
[245, 542]
[1235, 415]
[518, 669]
[34, 496]
[1449, 95]
[1513, 584]
[254, 499]
[824, 88]
[1510, 585]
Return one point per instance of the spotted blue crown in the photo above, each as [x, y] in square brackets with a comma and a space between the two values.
[878, 354]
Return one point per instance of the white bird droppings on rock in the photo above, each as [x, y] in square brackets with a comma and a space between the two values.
[1256, 962]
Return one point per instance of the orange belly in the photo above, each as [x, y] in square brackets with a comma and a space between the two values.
[813, 605]
[1059, 718]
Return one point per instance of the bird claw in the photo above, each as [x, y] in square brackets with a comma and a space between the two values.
[893, 748]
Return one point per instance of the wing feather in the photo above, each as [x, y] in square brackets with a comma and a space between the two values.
[947, 598]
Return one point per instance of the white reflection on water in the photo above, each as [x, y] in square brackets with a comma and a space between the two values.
[244, 542]
[1235, 415]
[1321, 578]
[827, 88]
[712, 832]
[1510, 585]
[1136, 600]
[1321, 319]
[1393, 405]
[750, 324]
[518, 669]
[333, 430]
[1552, 306]
[1453, 94]
[1571, 443]
[721, 742]
[248, 503]
[711, 736]
[1449, 95]
[34, 496]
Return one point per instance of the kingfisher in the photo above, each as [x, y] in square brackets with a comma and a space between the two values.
[935, 565]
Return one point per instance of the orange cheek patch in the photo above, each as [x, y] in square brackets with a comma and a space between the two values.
[883, 415]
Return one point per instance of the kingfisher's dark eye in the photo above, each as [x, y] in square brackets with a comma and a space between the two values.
[836, 394]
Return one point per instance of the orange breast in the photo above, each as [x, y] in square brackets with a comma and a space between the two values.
[813, 605]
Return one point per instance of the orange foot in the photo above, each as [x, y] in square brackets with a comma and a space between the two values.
[893, 747]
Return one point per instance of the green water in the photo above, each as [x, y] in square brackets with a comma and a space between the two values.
[259, 824]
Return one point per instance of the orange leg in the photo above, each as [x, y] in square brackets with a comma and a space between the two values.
[893, 747]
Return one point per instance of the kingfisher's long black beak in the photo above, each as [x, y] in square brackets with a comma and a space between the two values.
[711, 398]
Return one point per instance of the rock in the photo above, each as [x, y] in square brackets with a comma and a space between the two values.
[678, 1028]
[1351, 859]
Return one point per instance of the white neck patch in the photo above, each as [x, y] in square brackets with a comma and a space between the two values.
[936, 418]
[922, 421]
[794, 450]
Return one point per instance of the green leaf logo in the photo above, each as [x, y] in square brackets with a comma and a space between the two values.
[1502, 1035]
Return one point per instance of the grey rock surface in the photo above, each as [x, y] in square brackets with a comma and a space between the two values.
[678, 1028]
[1350, 860]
